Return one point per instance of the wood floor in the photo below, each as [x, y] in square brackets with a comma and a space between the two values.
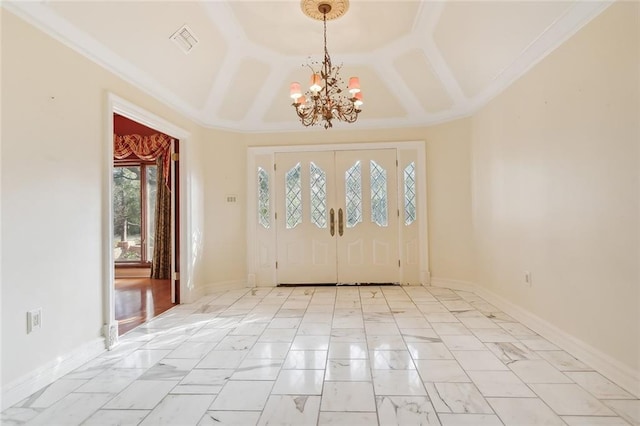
[137, 300]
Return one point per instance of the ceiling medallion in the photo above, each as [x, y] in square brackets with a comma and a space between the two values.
[337, 8]
[325, 100]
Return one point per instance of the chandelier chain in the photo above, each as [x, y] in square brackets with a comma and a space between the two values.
[327, 58]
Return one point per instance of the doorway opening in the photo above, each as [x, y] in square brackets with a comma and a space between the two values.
[145, 223]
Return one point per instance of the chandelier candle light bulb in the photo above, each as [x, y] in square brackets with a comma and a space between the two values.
[325, 100]
[315, 83]
[354, 85]
[295, 91]
[358, 99]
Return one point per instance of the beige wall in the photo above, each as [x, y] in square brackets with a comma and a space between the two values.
[448, 198]
[555, 187]
[54, 115]
[225, 223]
[451, 248]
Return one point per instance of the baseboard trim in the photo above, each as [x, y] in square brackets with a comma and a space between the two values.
[453, 284]
[220, 286]
[26, 385]
[611, 368]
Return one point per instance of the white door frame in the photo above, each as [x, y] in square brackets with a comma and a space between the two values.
[264, 156]
[118, 105]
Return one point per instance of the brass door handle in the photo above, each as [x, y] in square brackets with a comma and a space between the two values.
[332, 222]
[340, 223]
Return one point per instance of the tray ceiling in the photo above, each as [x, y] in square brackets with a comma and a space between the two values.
[419, 62]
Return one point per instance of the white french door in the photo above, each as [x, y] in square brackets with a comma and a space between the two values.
[367, 196]
[337, 217]
[306, 248]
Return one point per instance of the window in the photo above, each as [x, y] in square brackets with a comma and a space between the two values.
[293, 197]
[378, 194]
[353, 187]
[263, 198]
[134, 199]
[410, 194]
[318, 189]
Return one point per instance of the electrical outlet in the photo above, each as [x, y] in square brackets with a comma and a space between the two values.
[34, 320]
[527, 278]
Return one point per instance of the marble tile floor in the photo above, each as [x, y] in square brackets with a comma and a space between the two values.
[332, 356]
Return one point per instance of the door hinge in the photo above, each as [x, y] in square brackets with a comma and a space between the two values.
[276, 215]
[276, 264]
[398, 212]
[274, 167]
[176, 276]
[175, 156]
[396, 162]
[398, 263]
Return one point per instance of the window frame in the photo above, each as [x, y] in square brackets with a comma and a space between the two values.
[143, 164]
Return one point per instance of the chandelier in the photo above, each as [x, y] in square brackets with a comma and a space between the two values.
[325, 99]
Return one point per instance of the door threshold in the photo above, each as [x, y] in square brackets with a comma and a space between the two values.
[334, 284]
[307, 285]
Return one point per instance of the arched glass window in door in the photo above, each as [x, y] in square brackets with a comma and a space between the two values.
[318, 190]
[379, 203]
[353, 187]
[263, 198]
[293, 197]
[410, 194]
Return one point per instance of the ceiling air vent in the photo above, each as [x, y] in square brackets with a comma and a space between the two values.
[185, 39]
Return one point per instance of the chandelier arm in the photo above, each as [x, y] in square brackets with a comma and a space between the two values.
[306, 117]
[347, 113]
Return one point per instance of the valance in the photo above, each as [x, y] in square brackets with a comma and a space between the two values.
[147, 148]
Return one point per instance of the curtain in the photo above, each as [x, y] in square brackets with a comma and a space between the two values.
[161, 263]
[147, 148]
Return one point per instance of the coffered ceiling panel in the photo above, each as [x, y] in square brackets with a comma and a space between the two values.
[380, 101]
[244, 88]
[418, 75]
[419, 62]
